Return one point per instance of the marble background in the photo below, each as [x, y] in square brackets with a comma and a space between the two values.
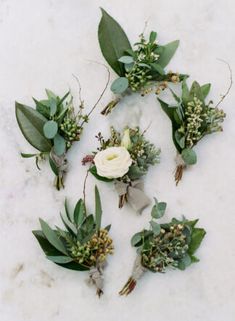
[42, 44]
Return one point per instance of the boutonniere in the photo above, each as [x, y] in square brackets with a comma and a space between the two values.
[163, 246]
[123, 159]
[192, 119]
[52, 127]
[140, 68]
[83, 246]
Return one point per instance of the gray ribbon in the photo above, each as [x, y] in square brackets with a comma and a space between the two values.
[96, 278]
[135, 195]
[59, 161]
[179, 160]
[138, 269]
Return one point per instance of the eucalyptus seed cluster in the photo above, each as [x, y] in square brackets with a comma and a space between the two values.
[214, 117]
[139, 74]
[166, 249]
[95, 250]
[194, 120]
[71, 127]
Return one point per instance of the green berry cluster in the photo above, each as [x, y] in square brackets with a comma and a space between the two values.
[95, 250]
[166, 249]
[194, 119]
[214, 117]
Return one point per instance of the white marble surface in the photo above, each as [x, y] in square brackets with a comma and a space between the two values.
[42, 44]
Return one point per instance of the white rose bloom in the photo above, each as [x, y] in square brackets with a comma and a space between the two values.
[113, 162]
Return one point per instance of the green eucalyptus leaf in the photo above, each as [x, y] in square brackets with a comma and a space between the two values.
[128, 67]
[196, 91]
[50, 94]
[158, 209]
[98, 209]
[205, 89]
[60, 259]
[42, 108]
[136, 238]
[53, 107]
[74, 266]
[126, 59]
[155, 227]
[142, 64]
[135, 172]
[158, 68]
[167, 53]
[189, 156]
[153, 36]
[120, 85]
[113, 42]
[52, 237]
[79, 212]
[50, 129]
[93, 171]
[31, 124]
[197, 236]
[69, 227]
[59, 145]
[184, 262]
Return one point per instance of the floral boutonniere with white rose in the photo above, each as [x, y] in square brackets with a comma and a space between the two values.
[123, 159]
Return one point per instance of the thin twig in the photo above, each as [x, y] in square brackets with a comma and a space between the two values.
[147, 128]
[84, 187]
[80, 90]
[104, 90]
[230, 85]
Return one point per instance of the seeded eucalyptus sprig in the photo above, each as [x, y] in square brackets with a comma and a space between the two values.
[141, 68]
[192, 119]
[124, 158]
[83, 246]
[163, 246]
[52, 127]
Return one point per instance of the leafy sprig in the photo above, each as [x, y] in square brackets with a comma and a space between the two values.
[192, 119]
[163, 246]
[83, 245]
[140, 67]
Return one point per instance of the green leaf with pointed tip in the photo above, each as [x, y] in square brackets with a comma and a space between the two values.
[42, 108]
[31, 124]
[28, 155]
[66, 207]
[196, 91]
[170, 113]
[69, 227]
[119, 85]
[158, 68]
[79, 212]
[108, 227]
[98, 209]
[180, 139]
[47, 248]
[167, 53]
[205, 90]
[59, 145]
[60, 259]
[189, 156]
[50, 129]
[53, 166]
[113, 42]
[74, 266]
[185, 92]
[53, 106]
[197, 236]
[50, 94]
[153, 36]
[52, 237]
[93, 171]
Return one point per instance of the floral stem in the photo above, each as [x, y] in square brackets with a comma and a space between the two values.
[108, 109]
[122, 200]
[179, 173]
[128, 287]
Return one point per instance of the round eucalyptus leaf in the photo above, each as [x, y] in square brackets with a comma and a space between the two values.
[119, 85]
[189, 156]
[126, 59]
[59, 145]
[50, 129]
